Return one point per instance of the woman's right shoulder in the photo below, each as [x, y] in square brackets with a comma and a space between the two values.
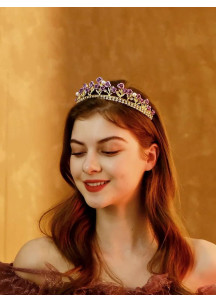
[35, 253]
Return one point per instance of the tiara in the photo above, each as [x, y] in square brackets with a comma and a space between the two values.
[104, 89]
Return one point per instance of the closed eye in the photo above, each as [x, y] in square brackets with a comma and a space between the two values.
[80, 153]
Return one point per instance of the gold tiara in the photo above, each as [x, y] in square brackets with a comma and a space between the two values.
[104, 89]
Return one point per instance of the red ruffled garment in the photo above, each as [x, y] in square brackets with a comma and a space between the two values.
[12, 284]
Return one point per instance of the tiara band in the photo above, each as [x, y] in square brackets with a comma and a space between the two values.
[104, 90]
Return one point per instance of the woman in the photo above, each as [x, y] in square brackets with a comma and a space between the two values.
[119, 233]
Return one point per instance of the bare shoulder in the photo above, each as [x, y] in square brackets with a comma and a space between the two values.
[205, 252]
[204, 272]
[35, 253]
[207, 258]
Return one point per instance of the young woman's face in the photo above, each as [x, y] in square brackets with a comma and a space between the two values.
[123, 169]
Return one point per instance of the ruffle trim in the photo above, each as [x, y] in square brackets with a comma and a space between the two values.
[12, 284]
[156, 285]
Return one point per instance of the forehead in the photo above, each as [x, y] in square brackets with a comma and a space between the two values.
[95, 121]
[97, 128]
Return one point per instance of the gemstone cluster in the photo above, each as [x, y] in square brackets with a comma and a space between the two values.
[104, 89]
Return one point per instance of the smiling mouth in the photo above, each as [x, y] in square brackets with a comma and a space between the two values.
[95, 188]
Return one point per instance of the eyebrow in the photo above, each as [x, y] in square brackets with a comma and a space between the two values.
[100, 141]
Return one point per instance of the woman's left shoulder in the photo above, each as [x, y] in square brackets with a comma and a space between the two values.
[206, 260]
[206, 250]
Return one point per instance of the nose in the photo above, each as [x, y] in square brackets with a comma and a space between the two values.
[91, 164]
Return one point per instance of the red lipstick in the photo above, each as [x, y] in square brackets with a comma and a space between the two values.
[94, 188]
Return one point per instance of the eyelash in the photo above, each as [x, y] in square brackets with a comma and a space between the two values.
[78, 154]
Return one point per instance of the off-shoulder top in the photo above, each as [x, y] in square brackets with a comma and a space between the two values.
[12, 284]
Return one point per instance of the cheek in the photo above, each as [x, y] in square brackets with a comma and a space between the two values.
[74, 168]
[129, 170]
[120, 169]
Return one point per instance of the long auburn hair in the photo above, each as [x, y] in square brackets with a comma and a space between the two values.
[72, 223]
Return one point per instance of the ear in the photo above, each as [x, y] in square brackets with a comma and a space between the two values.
[152, 156]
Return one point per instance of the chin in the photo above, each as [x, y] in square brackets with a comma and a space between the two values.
[96, 205]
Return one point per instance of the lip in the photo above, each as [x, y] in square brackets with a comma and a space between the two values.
[96, 188]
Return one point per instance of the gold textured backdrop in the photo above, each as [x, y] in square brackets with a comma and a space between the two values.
[47, 53]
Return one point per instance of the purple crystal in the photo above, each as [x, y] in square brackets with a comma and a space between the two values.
[97, 86]
[147, 101]
[120, 86]
[125, 90]
[88, 89]
[103, 87]
[148, 107]
[99, 79]
[153, 112]
[113, 89]
[108, 84]
[141, 100]
[138, 96]
[129, 91]
[91, 84]
[81, 90]
[85, 86]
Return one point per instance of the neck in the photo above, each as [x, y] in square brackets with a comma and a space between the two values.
[123, 231]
